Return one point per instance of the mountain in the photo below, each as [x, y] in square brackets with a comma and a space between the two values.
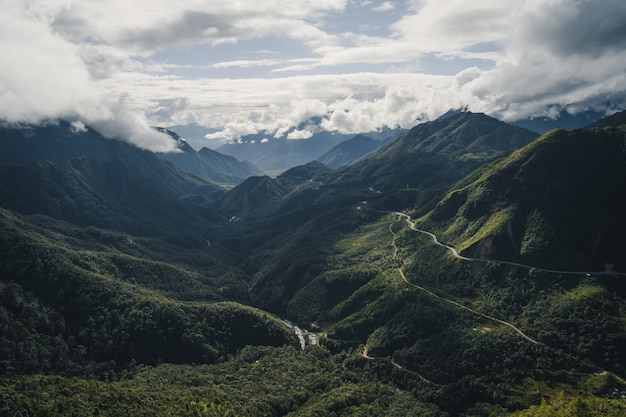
[104, 257]
[258, 195]
[60, 141]
[563, 120]
[194, 134]
[349, 151]
[279, 154]
[208, 164]
[314, 203]
[438, 153]
[130, 295]
[555, 204]
[523, 207]
[615, 120]
[252, 194]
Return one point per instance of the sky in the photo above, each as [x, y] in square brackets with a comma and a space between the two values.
[243, 66]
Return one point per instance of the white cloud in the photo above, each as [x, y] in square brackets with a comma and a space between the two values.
[300, 134]
[146, 26]
[247, 63]
[384, 7]
[96, 62]
[46, 78]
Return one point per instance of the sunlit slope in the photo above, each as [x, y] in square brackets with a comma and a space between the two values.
[556, 202]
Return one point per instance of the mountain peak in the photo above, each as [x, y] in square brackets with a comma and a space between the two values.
[614, 120]
[464, 133]
[523, 206]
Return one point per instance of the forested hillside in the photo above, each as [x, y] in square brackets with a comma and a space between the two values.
[122, 293]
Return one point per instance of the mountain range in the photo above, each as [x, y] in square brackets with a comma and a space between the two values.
[122, 270]
[350, 151]
[208, 164]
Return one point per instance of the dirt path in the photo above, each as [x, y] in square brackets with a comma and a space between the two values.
[366, 355]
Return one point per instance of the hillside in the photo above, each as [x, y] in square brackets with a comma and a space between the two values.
[116, 297]
[349, 151]
[524, 206]
[113, 194]
[119, 291]
[208, 164]
[438, 153]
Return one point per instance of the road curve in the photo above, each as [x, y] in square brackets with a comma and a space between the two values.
[447, 300]
[471, 310]
[456, 254]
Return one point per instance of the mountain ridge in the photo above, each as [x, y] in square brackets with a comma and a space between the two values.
[349, 151]
[513, 199]
[112, 278]
[208, 164]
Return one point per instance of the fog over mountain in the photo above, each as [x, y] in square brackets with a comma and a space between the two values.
[358, 66]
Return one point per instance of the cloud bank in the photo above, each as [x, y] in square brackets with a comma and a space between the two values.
[44, 77]
[272, 66]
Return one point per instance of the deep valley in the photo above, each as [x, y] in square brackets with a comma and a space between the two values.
[135, 283]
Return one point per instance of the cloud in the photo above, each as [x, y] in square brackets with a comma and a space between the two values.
[127, 125]
[384, 7]
[247, 63]
[108, 65]
[40, 71]
[590, 28]
[300, 134]
[561, 53]
[45, 78]
[146, 26]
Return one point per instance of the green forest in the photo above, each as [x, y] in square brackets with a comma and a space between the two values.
[174, 320]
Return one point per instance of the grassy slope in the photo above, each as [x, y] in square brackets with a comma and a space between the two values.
[553, 203]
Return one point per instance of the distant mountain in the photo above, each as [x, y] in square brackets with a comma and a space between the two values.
[437, 153]
[208, 164]
[58, 142]
[565, 120]
[256, 193]
[277, 155]
[194, 134]
[557, 202]
[229, 166]
[349, 151]
[113, 194]
[615, 120]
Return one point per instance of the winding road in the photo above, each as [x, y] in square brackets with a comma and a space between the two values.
[447, 300]
[456, 254]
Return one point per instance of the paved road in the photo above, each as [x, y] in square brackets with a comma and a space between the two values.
[412, 225]
[456, 254]
[447, 300]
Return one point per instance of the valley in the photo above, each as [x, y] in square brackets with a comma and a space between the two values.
[172, 285]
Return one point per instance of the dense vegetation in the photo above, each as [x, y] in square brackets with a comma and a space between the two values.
[122, 297]
[73, 306]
